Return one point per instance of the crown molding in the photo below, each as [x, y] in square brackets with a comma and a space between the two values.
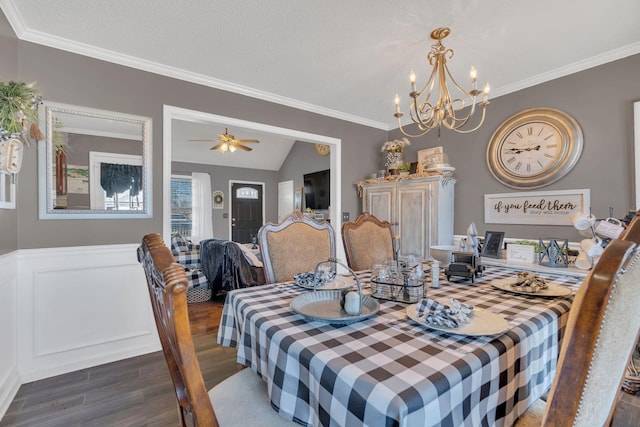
[594, 61]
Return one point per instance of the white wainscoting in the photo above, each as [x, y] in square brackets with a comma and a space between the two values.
[80, 307]
[9, 375]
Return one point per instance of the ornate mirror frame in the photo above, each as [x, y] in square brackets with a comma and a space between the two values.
[93, 123]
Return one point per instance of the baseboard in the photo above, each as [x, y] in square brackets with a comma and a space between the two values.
[8, 390]
[88, 363]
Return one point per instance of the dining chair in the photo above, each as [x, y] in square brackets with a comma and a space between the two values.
[601, 332]
[239, 400]
[367, 241]
[294, 246]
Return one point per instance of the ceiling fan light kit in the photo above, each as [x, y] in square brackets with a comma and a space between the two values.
[228, 142]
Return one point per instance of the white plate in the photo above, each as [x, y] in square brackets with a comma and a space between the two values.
[482, 322]
[551, 290]
[325, 307]
[338, 283]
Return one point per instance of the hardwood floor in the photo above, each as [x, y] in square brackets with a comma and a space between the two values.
[131, 392]
[138, 391]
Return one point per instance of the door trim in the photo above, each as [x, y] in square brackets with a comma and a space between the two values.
[171, 112]
[229, 207]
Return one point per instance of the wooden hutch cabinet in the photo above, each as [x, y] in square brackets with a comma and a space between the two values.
[421, 211]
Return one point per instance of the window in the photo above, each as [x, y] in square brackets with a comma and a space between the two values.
[98, 196]
[246, 193]
[181, 205]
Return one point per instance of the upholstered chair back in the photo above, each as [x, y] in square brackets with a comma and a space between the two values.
[367, 241]
[294, 246]
[601, 333]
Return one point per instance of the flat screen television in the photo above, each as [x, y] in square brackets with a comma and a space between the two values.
[317, 190]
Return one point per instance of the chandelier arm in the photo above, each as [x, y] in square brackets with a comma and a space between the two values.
[405, 133]
[476, 127]
[445, 111]
[424, 116]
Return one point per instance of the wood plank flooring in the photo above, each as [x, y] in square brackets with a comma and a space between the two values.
[138, 391]
[131, 392]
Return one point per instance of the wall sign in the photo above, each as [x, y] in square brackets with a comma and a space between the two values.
[218, 199]
[535, 207]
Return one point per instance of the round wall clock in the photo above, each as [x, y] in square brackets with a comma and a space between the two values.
[534, 148]
[323, 149]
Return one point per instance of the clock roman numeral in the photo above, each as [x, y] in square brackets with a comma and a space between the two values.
[548, 155]
[518, 166]
[519, 135]
[530, 130]
[552, 145]
[541, 165]
[528, 167]
[511, 160]
[548, 137]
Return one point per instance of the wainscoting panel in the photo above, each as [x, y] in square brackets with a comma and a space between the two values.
[9, 376]
[80, 307]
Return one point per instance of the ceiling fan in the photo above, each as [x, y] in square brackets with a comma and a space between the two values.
[228, 142]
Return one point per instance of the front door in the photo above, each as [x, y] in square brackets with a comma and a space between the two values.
[246, 211]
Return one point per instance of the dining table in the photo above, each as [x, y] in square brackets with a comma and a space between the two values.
[389, 370]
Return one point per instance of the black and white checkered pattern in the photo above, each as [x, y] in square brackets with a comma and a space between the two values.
[388, 370]
[188, 255]
[185, 252]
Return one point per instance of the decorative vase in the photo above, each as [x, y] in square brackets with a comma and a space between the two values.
[393, 159]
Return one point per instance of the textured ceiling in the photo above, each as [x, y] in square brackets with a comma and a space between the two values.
[345, 59]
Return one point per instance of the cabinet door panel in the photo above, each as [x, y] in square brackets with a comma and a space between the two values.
[413, 220]
[380, 202]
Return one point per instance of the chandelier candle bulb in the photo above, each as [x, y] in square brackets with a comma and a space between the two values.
[412, 79]
[474, 74]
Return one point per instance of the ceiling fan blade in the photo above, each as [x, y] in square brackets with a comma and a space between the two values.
[215, 147]
[242, 147]
[203, 140]
[253, 141]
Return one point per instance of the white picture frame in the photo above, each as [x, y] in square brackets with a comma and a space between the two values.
[428, 157]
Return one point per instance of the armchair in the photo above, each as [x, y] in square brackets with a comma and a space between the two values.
[187, 254]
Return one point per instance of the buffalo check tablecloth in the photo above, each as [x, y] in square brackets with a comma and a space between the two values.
[388, 370]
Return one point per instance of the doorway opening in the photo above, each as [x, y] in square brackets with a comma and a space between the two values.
[171, 113]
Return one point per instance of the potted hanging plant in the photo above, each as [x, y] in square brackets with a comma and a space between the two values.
[19, 111]
[394, 152]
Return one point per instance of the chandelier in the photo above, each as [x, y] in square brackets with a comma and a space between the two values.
[447, 108]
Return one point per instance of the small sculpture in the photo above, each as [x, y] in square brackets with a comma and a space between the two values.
[472, 239]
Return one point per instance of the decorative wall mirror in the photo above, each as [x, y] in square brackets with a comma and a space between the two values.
[94, 164]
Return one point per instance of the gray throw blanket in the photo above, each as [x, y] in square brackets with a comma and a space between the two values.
[226, 267]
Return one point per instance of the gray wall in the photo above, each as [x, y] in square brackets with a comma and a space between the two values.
[77, 80]
[8, 71]
[303, 159]
[601, 100]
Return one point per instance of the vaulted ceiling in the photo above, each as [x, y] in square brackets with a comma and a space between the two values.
[344, 59]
